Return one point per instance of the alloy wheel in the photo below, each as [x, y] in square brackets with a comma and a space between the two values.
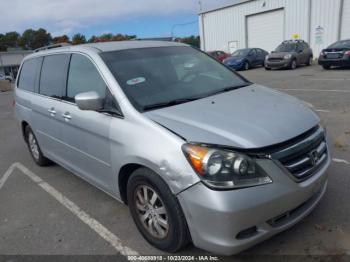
[151, 211]
[33, 145]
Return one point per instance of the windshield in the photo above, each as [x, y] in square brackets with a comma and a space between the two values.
[241, 52]
[151, 76]
[341, 45]
[286, 48]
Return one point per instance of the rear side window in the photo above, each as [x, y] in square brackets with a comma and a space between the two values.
[83, 77]
[54, 75]
[29, 74]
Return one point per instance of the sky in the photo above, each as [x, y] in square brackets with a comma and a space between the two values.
[144, 18]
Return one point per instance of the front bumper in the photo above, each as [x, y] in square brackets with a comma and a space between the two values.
[334, 62]
[277, 64]
[217, 219]
[238, 66]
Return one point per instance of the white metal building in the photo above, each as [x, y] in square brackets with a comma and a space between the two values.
[266, 23]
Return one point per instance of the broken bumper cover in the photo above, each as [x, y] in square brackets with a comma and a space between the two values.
[227, 222]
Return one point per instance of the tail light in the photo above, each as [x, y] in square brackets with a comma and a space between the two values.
[347, 53]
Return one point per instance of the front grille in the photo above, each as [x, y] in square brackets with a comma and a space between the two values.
[306, 157]
[275, 59]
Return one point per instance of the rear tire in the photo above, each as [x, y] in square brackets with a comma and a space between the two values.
[156, 211]
[34, 148]
[326, 67]
[310, 61]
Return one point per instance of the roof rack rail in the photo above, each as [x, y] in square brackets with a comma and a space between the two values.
[51, 47]
[294, 40]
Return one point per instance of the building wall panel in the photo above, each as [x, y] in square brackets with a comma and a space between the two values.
[345, 27]
[315, 21]
[325, 15]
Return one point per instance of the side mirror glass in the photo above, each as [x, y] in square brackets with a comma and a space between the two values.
[90, 101]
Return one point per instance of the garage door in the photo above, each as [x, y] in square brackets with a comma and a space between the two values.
[266, 30]
[345, 32]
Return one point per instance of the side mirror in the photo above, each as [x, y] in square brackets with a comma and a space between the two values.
[90, 101]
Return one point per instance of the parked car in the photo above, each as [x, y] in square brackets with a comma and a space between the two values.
[244, 59]
[218, 55]
[6, 77]
[195, 150]
[337, 54]
[290, 54]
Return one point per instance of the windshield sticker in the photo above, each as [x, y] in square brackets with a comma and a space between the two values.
[136, 81]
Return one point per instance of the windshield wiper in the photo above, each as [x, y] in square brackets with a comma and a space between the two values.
[229, 88]
[185, 100]
[169, 103]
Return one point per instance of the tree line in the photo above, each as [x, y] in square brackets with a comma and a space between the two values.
[32, 39]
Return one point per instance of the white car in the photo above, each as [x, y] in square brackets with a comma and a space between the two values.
[6, 77]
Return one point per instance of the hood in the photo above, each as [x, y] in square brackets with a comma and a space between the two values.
[280, 54]
[249, 117]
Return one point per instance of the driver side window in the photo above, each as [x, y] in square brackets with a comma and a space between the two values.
[83, 77]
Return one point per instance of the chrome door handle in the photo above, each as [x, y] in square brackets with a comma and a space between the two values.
[66, 116]
[52, 111]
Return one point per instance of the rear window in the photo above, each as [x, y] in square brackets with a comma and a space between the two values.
[28, 74]
[341, 45]
[54, 75]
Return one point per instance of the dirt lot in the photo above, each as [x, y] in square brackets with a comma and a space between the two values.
[47, 216]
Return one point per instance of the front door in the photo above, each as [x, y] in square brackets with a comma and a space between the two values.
[86, 133]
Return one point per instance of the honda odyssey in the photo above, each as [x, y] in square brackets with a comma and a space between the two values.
[195, 150]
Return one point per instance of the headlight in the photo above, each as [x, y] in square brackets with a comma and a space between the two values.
[289, 56]
[266, 57]
[225, 169]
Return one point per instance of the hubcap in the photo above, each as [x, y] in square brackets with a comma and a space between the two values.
[246, 66]
[151, 211]
[33, 146]
[294, 64]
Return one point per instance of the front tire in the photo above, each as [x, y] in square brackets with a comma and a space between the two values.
[34, 148]
[156, 211]
[293, 64]
[246, 66]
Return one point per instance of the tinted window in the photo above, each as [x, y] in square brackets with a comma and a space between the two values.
[252, 53]
[345, 44]
[29, 74]
[54, 75]
[241, 52]
[259, 51]
[83, 77]
[286, 47]
[151, 76]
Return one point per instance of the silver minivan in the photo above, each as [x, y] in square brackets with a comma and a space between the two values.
[197, 152]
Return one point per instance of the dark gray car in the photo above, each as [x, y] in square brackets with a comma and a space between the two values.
[290, 54]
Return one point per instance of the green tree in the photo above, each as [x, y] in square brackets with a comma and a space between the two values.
[60, 39]
[78, 39]
[105, 37]
[92, 39]
[10, 39]
[27, 39]
[121, 37]
[42, 38]
[192, 40]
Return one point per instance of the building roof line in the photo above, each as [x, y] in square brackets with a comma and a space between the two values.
[237, 2]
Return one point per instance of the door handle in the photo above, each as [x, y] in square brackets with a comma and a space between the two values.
[52, 111]
[67, 116]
